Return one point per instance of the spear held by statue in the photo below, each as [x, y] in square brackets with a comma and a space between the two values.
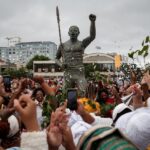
[58, 21]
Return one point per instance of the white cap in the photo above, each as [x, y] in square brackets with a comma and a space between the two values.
[118, 109]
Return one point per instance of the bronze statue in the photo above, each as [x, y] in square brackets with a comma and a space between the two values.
[72, 56]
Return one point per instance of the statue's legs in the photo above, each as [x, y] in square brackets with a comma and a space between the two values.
[82, 84]
[75, 78]
[67, 80]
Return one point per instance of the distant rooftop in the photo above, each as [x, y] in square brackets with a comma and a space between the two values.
[95, 57]
[36, 42]
[4, 47]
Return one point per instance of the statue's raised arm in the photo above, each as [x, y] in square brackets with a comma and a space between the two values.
[90, 38]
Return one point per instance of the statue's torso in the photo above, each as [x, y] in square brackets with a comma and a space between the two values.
[73, 54]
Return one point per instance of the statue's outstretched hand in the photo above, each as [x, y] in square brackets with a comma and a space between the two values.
[92, 17]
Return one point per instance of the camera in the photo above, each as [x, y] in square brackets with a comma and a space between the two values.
[72, 96]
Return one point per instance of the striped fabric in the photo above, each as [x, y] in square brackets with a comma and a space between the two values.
[104, 138]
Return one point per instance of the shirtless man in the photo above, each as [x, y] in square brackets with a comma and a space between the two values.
[72, 56]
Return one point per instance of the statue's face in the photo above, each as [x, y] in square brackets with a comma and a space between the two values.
[73, 32]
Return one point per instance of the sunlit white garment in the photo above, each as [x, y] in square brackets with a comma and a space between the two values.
[78, 129]
[73, 118]
[101, 120]
[138, 129]
[79, 126]
[14, 125]
[123, 120]
[136, 126]
[39, 110]
[34, 141]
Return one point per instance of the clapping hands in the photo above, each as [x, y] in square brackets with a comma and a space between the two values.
[58, 131]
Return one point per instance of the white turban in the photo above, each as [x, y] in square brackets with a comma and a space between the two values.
[138, 129]
[14, 125]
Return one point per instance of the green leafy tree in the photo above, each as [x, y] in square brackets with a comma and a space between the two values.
[15, 73]
[143, 52]
[90, 69]
[36, 57]
[92, 72]
[132, 72]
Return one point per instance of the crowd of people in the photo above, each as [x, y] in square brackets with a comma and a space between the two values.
[33, 118]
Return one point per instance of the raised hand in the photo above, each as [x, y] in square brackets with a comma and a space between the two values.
[137, 97]
[92, 17]
[84, 114]
[6, 113]
[55, 133]
[146, 79]
[21, 87]
[2, 90]
[67, 138]
[22, 84]
[38, 79]
[27, 111]
[80, 110]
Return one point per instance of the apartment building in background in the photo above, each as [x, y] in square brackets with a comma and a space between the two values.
[22, 52]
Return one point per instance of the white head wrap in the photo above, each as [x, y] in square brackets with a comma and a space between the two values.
[118, 109]
[14, 125]
[138, 129]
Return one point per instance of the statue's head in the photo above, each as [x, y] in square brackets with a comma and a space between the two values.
[73, 32]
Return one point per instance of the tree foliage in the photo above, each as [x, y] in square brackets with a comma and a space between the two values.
[92, 72]
[144, 51]
[36, 57]
[132, 72]
[89, 69]
[15, 73]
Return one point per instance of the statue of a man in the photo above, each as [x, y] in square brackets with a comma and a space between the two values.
[72, 56]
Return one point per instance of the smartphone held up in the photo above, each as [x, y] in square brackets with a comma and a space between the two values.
[72, 96]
